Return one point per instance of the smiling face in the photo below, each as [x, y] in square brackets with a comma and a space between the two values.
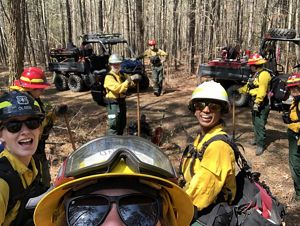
[209, 116]
[116, 67]
[23, 143]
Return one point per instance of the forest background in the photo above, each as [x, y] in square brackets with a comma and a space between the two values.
[191, 31]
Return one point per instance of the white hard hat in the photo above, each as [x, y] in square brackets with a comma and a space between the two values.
[115, 59]
[211, 90]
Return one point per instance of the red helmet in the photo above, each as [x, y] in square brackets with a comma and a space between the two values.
[293, 80]
[32, 78]
[152, 42]
[256, 59]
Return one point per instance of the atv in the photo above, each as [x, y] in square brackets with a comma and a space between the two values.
[82, 68]
[233, 72]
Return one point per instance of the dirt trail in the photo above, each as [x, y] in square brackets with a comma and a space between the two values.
[88, 121]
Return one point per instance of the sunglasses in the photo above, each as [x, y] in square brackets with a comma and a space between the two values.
[213, 107]
[133, 209]
[15, 126]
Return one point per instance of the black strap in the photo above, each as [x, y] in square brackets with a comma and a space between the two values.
[18, 193]
[190, 152]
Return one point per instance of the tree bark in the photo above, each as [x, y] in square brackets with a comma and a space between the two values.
[15, 37]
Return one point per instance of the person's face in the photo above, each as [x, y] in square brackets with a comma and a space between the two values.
[113, 218]
[152, 47]
[36, 93]
[295, 91]
[116, 67]
[208, 114]
[253, 68]
[22, 143]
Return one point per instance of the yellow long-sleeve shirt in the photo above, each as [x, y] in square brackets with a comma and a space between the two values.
[27, 175]
[156, 52]
[116, 85]
[261, 82]
[213, 174]
[294, 126]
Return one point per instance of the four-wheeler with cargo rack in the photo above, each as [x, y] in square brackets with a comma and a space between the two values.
[85, 67]
[233, 72]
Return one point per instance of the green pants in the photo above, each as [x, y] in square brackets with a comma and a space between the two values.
[259, 121]
[158, 77]
[294, 159]
[116, 117]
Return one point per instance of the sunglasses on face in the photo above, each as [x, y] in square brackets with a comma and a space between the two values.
[15, 126]
[213, 107]
[133, 209]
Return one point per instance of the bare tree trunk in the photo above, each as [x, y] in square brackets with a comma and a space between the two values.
[62, 28]
[101, 15]
[175, 36]
[250, 23]
[140, 25]
[191, 41]
[15, 33]
[3, 47]
[30, 50]
[297, 26]
[264, 19]
[69, 21]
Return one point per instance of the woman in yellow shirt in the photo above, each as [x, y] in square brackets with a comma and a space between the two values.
[20, 127]
[211, 177]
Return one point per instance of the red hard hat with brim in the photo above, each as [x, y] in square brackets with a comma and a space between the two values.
[42, 85]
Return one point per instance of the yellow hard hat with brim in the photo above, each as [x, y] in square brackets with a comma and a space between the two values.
[117, 149]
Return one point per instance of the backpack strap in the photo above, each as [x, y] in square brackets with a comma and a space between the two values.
[16, 190]
[13, 180]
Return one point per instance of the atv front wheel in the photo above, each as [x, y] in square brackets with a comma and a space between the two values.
[75, 83]
[238, 98]
[60, 81]
[282, 33]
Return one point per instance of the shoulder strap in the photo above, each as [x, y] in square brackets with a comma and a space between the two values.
[16, 189]
[17, 192]
[112, 75]
[239, 158]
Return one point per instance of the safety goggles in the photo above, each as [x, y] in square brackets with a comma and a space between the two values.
[133, 209]
[15, 126]
[101, 156]
[213, 107]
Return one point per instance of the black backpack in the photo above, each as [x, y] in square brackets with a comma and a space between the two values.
[18, 193]
[97, 89]
[278, 92]
[254, 204]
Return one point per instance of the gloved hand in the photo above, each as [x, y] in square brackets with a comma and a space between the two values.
[255, 107]
[136, 77]
[61, 109]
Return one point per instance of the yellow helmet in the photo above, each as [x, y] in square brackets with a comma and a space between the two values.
[116, 157]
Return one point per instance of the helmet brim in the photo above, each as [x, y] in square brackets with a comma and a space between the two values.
[31, 85]
[181, 201]
[258, 62]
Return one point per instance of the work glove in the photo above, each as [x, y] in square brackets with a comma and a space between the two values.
[136, 77]
[61, 109]
[255, 107]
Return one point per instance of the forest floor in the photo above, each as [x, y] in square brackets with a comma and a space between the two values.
[88, 121]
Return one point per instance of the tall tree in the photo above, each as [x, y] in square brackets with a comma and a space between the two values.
[140, 25]
[15, 16]
[191, 41]
[69, 21]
